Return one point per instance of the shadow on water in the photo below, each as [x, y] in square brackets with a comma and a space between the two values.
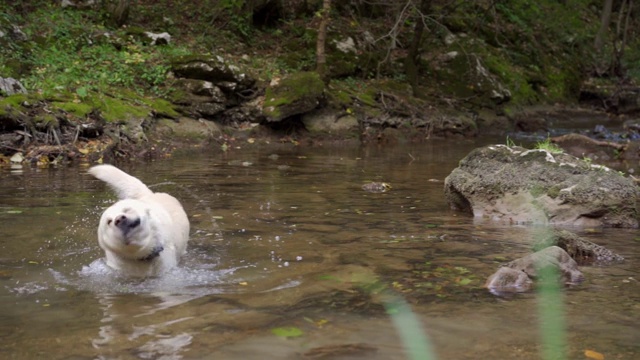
[290, 259]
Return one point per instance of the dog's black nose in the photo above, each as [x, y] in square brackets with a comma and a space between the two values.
[124, 223]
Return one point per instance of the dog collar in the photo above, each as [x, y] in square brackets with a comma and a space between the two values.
[154, 253]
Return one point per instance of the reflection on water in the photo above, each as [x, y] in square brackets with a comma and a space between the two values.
[285, 238]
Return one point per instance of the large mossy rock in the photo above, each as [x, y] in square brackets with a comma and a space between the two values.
[517, 185]
[295, 94]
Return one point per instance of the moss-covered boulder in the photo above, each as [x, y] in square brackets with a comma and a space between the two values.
[295, 94]
[516, 185]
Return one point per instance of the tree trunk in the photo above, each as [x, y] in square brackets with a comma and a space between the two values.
[321, 58]
[117, 11]
[411, 64]
[605, 20]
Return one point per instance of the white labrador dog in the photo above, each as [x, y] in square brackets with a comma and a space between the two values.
[143, 234]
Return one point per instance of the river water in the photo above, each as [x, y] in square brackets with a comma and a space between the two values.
[290, 259]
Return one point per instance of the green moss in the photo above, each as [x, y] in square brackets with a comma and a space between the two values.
[563, 84]
[537, 191]
[394, 87]
[13, 103]
[515, 79]
[293, 87]
[368, 97]
[14, 100]
[45, 121]
[116, 110]
[77, 109]
[161, 106]
[553, 192]
[296, 89]
[339, 98]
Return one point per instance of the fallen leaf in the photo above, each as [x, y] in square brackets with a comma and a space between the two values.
[287, 332]
[593, 355]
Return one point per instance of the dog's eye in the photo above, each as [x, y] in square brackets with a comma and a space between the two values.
[109, 221]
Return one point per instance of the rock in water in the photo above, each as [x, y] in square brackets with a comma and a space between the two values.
[516, 185]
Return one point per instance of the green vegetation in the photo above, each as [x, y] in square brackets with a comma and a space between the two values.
[72, 52]
[300, 88]
[529, 51]
[547, 145]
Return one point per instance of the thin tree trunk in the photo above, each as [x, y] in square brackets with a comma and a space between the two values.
[625, 31]
[321, 58]
[411, 64]
[618, 48]
[605, 20]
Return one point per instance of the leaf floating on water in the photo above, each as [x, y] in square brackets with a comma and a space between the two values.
[593, 355]
[431, 226]
[287, 332]
[243, 283]
[14, 211]
[464, 281]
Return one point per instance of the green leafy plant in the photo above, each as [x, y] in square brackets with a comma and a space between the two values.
[549, 146]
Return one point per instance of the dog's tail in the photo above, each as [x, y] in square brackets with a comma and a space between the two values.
[125, 185]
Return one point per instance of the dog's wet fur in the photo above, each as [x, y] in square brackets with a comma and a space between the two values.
[143, 234]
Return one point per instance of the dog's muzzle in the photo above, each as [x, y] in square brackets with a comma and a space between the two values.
[126, 224]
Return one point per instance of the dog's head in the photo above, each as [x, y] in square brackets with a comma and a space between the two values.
[125, 228]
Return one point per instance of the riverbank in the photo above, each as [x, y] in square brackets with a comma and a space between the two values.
[94, 87]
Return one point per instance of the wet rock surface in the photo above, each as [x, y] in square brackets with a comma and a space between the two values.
[583, 251]
[516, 185]
[520, 274]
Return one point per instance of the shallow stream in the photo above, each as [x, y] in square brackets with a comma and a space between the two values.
[290, 259]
